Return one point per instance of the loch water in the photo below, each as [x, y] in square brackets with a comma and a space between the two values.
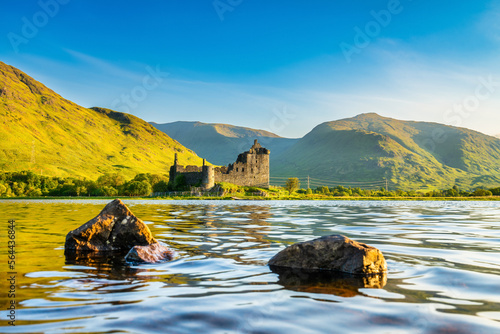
[443, 269]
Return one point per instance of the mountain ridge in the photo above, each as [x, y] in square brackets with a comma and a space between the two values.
[42, 131]
[230, 140]
[409, 154]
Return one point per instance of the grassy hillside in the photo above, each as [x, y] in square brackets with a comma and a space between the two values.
[45, 133]
[411, 155]
[221, 143]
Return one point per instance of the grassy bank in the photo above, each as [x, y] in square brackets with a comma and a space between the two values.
[262, 198]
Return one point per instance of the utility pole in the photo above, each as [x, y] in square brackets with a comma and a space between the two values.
[308, 182]
[386, 185]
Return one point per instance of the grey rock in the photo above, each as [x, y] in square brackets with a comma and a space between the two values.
[333, 252]
[115, 228]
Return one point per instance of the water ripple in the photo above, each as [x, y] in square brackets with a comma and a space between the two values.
[442, 259]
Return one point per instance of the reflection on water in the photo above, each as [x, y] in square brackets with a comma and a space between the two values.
[336, 283]
[110, 264]
[442, 259]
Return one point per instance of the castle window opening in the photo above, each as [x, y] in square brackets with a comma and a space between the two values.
[242, 169]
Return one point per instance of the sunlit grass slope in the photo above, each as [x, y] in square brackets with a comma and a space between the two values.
[43, 132]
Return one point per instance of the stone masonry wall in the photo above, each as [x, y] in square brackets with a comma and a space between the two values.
[253, 170]
[193, 174]
[250, 169]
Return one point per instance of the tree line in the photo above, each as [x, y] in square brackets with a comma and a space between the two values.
[293, 185]
[29, 184]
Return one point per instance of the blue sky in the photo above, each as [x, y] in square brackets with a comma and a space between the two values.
[283, 66]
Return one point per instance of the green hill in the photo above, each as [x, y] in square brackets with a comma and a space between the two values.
[411, 155]
[45, 133]
[221, 143]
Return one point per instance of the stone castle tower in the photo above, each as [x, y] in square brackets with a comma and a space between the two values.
[251, 168]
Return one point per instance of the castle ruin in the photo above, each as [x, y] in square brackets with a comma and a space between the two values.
[251, 168]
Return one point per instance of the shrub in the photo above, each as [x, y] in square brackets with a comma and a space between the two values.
[228, 188]
[292, 184]
[482, 192]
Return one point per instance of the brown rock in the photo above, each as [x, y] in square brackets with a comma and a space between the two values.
[334, 252]
[152, 253]
[116, 228]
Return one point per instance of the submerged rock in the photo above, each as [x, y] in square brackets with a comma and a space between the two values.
[333, 252]
[116, 228]
[152, 253]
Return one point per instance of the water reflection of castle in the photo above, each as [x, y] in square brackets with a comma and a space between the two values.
[251, 168]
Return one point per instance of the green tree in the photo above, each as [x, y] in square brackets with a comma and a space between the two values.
[156, 178]
[160, 187]
[180, 182]
[142, 177]
[3, 189]
[138, 188]
[114, 180]
[292, 184]
[452, 192]
[482, 192]
[67, 189]
[495, 191]
[152, 179]
[325, 190]
[33, 192]
[81, 190]
[108, 191]
[18, 188]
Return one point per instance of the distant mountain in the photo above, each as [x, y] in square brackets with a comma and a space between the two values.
[221, 143]
[45, 133]
[411, 155]
[498, 135]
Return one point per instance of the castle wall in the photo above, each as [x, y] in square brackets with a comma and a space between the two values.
[250, 169]
[253, 171]
[193, 174]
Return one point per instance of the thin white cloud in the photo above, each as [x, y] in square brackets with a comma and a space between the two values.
[391, 79]
[104, 67]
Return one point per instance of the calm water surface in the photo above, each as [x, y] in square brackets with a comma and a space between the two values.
[443, 259]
